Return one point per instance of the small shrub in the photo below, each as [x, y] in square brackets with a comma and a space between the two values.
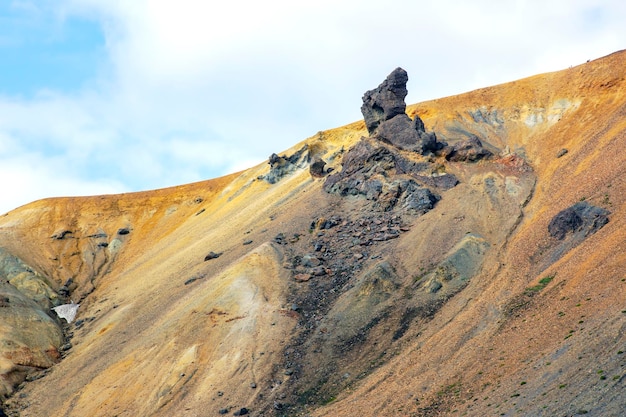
[543, 282]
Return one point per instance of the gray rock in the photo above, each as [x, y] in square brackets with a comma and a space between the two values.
[384, 113]
[318, 271]
[281, 166]
[417, 198]
[372, 170]
[581, 218]
[469, 150]
[561, 152]
[310, 260]
[62, 234]
[317, 168]
[404, 133]
[385, 101]
[212, 255]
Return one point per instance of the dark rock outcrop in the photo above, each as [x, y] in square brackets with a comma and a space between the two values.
[384, 113]
[470, 150]
[581, 218]
[212, 255]
[404, 133]
[61, 234]
[317, 168]
[280, 166]
[386, 101]
[569, 228]
[382, 176]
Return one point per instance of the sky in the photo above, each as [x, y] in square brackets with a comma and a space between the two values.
[110, 96]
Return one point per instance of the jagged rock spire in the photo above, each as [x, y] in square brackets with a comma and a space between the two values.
[384, 113]
[386, 101]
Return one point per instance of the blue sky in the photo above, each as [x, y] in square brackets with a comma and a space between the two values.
[100, 96]
[42, 53]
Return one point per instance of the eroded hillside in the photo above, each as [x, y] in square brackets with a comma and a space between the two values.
[462, 256]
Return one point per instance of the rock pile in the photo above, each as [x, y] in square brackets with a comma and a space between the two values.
[377, 169]
[380, 174]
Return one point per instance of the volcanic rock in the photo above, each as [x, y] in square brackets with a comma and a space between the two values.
[368, 337]
[280, 166]
[581, 218]
[469, 150]
[384, 113]
[383, 176]
[317, 168]
[402, 133]
[386, 101]
[212, 255]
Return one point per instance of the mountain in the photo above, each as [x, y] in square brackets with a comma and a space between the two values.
[461, 256]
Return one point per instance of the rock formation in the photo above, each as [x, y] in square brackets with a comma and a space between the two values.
[384, 113]
[381, 175]
[469, 150]
[386, 101]
[581, 218]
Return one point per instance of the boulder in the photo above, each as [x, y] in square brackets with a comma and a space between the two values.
[212, 255]
[470, 150]
[404, 133]
[418, 199]
[281, 166]
[317, 168]
[581, 218]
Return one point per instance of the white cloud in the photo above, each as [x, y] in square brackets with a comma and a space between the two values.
[192, 89]
[30, 177]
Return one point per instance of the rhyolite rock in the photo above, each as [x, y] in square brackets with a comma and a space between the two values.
[30, 337]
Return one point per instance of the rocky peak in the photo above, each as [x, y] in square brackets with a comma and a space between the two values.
[384, 113]
[386, 101]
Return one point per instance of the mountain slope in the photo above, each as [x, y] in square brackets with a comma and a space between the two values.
[395, 283]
